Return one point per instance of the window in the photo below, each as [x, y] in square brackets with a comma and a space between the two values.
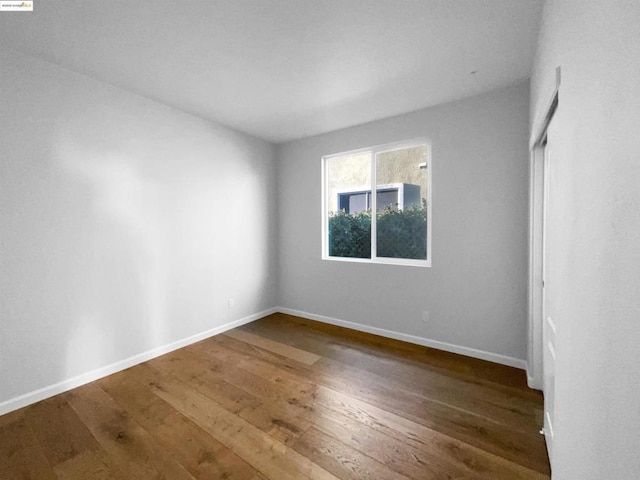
[399, 231]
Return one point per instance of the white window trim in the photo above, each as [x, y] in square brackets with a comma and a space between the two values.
[388, 147]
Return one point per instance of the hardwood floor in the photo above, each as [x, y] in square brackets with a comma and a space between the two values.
[286, 398]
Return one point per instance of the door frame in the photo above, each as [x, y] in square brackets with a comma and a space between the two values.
[537, 193]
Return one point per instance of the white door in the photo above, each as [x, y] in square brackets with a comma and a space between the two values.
[549, 325]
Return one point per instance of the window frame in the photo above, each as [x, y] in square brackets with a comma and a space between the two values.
[375, 150]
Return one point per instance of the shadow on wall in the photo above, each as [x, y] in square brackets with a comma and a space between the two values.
[169, 229]
[124, 262]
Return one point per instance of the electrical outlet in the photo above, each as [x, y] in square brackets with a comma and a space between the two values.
[231, 303]
[425, 316]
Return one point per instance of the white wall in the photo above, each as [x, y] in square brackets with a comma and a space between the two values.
[596, 241]
[125, 226]
[475, 291]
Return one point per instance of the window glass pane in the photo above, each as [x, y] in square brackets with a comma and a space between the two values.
[401, 223]
[387, 199]
[357, 203]
[347, 195]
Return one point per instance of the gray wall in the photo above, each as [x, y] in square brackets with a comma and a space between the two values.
[125, 225]
[475, 291]
[595, 232]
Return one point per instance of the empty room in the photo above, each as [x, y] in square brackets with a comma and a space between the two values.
[320, 239]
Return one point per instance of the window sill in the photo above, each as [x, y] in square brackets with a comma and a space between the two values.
[382, 261]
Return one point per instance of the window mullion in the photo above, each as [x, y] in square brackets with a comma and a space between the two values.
[374, 207]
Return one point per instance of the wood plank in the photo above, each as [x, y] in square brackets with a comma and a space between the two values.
[203, 456]
[436, 444]
[481, 400]
[59, 430]
[396, 454]
[341, 459]
[132, 449]
[297, 354]
[134, 397]
[411, 372]
[203, 376]
[271, 413]
[277, 385]
[270, 457]
[21, 457]
[520, 446]
[311, 412]
[466, 453]
[292, 329]
[92, 464]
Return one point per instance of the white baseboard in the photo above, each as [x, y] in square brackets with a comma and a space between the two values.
[71, 383]
[532, 382]
[426, 342]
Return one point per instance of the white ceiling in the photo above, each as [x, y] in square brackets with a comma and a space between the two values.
[286, 69]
